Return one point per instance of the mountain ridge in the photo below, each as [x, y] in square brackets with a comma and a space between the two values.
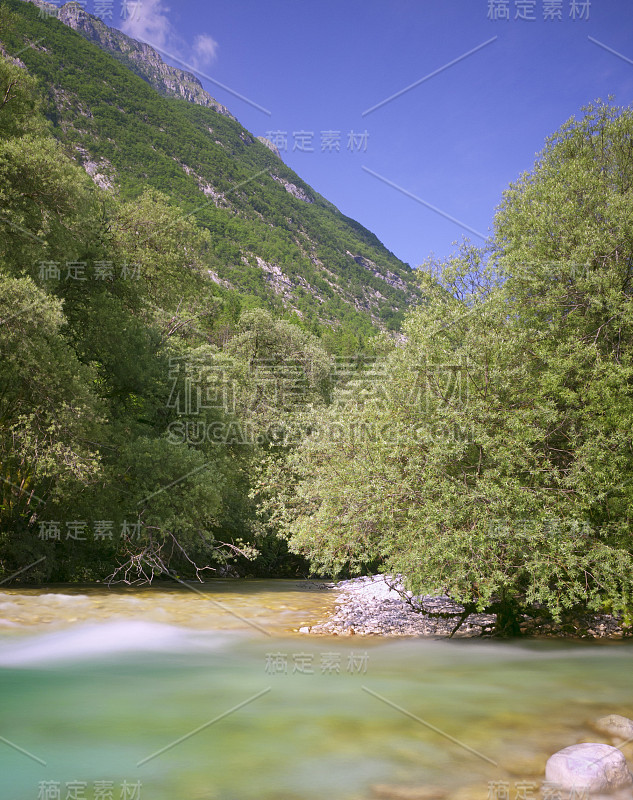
[275, 239]
[140, 57]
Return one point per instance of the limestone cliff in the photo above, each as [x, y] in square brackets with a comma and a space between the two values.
[139, 57]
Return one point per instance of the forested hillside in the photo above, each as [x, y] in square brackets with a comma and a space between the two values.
[137, 396]
[272, 238]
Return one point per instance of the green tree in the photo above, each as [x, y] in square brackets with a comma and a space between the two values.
[49, 414]
[20, 98]
[503, 469]
[168, 250]
[48, 208]
[279, 370]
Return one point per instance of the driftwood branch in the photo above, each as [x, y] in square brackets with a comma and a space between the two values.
[418, 608]
[142, 565]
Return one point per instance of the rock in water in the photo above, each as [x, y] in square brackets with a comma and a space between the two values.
[617, 727]
[589, 767]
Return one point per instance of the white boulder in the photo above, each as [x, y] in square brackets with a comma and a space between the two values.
[592, 768]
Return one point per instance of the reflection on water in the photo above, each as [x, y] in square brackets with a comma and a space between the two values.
[159, 690]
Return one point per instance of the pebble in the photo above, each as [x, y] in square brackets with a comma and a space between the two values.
[617, 727]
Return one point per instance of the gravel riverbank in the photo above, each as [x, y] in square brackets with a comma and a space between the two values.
[369, 606]
[366, 606]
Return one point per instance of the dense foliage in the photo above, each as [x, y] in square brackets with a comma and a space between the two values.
[492, 458]
[122, 449]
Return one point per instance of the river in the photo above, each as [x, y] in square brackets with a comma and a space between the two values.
[171, 693]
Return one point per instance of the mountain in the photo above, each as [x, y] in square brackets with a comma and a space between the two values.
[134, 122]
[138, 57]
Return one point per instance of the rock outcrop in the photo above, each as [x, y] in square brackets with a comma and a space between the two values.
[139, 57]
[291, 188]
[388, 277]
[267, 143]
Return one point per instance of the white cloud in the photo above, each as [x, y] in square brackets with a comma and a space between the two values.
[205, 50]
[148, 22]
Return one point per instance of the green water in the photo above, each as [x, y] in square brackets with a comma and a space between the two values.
[168, 692]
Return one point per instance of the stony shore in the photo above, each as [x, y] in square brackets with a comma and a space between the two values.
[370, 606]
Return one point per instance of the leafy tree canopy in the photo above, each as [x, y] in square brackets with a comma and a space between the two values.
[493, 460]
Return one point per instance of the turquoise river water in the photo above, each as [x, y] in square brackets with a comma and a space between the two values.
[172, 694]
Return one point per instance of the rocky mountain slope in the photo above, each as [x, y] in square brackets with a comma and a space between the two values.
[139, 57]
[134, 122]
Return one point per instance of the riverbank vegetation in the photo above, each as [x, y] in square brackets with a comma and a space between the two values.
[131, 416]
[155, 423]
[498, 468]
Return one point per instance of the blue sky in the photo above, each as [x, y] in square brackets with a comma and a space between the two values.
[453, 141]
